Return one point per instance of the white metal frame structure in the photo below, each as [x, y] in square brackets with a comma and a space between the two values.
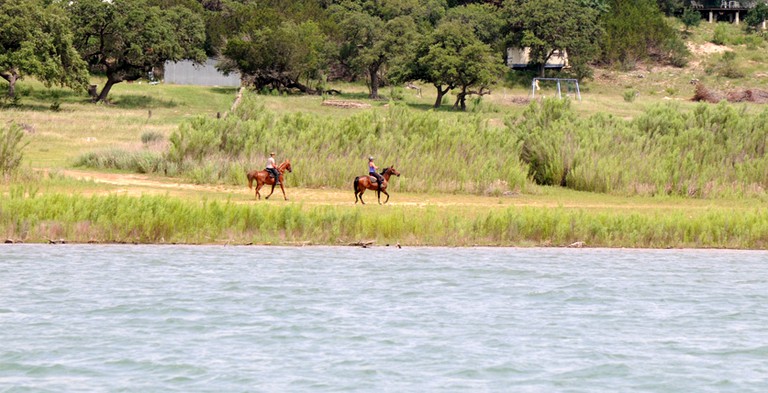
[535, 85]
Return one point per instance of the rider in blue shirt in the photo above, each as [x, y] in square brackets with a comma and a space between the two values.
[372, 171]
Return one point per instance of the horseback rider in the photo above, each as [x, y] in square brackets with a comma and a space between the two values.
[272, 168]
[372, 172]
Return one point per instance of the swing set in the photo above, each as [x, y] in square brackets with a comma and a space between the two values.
[571, 85]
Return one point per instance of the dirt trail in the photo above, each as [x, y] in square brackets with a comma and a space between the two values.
[137, 184]
[133, 180]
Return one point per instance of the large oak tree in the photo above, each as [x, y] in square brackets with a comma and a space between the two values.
[288, 56]
[452, 57]
[125, 39]
[376, 31]
[36, 40]
[549, 26]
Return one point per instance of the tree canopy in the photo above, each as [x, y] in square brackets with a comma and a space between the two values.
[298, 44]
[636, 30]
[36, 40]
[125, 39]
[279, 57]
[452, 57]
[549, 26]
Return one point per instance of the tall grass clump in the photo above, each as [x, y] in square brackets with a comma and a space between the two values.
[11, 148]
[707, 152]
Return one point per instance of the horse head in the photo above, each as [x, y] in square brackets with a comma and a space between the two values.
[392, 171]
[287, 166]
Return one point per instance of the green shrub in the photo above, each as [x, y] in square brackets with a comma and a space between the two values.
[151, 136]
[630, 95]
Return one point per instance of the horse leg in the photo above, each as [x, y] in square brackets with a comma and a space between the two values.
[258, 187]
[273, 190]
[361, 196]
[354, 186]
[281, 187]
[387, 194]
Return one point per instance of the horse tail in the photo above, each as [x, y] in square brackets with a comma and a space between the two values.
[250, 179]
[357, 180]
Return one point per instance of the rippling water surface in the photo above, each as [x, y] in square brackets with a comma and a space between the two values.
[230, 319]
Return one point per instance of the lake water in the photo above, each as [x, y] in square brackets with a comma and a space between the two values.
[254, 319]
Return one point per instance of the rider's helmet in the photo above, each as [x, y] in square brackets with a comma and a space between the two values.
[370, 158]
[272, 154]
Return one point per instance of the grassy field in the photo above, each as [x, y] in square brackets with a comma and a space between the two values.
[52, 200]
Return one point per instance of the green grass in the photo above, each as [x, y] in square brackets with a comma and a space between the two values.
[26, 215]
[57, 138]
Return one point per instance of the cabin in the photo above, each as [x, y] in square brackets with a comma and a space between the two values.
[519, 58]
[725, 10]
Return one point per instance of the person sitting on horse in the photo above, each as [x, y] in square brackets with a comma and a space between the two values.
[272, 168]
[372, 171]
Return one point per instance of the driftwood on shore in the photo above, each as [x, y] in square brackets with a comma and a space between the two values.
[363, 243]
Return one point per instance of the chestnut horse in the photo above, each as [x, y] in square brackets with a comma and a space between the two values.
[263, 177]
[363, 183]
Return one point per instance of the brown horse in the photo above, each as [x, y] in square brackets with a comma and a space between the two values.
[263, 177]
[363, 183]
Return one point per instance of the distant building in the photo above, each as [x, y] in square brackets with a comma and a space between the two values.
[187, 72]
[725, 10]
[520, 58]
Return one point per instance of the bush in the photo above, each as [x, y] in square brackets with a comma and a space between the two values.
[690, 18]
[151, 136]
[630, 95]
[11, 148]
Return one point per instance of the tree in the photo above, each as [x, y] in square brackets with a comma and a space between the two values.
[374, 32]
[126, 39]
[549, 26]
[756, 16]
[636, 30]
[484, 19]
[453, 58]
[279, 57]
[690, 18]
[670, 7]
[36, 40]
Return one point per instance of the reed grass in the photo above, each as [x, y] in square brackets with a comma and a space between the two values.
[26, 215]
[710, 151]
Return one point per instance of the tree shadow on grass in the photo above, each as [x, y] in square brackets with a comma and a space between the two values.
[428, 107]
[223, 90]
[135, 101]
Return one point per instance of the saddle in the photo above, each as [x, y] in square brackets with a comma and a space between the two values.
[272, 175]
[372, 179]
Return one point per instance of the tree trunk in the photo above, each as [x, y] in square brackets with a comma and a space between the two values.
[542, 68]
[11, 76]
[440, 94]
[373, 72]
[461, 100]
[107, 87]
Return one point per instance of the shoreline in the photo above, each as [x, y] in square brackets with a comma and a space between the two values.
[380, 247]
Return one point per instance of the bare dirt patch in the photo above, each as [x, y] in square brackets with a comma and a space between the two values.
[346, 104]
[707, 48]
